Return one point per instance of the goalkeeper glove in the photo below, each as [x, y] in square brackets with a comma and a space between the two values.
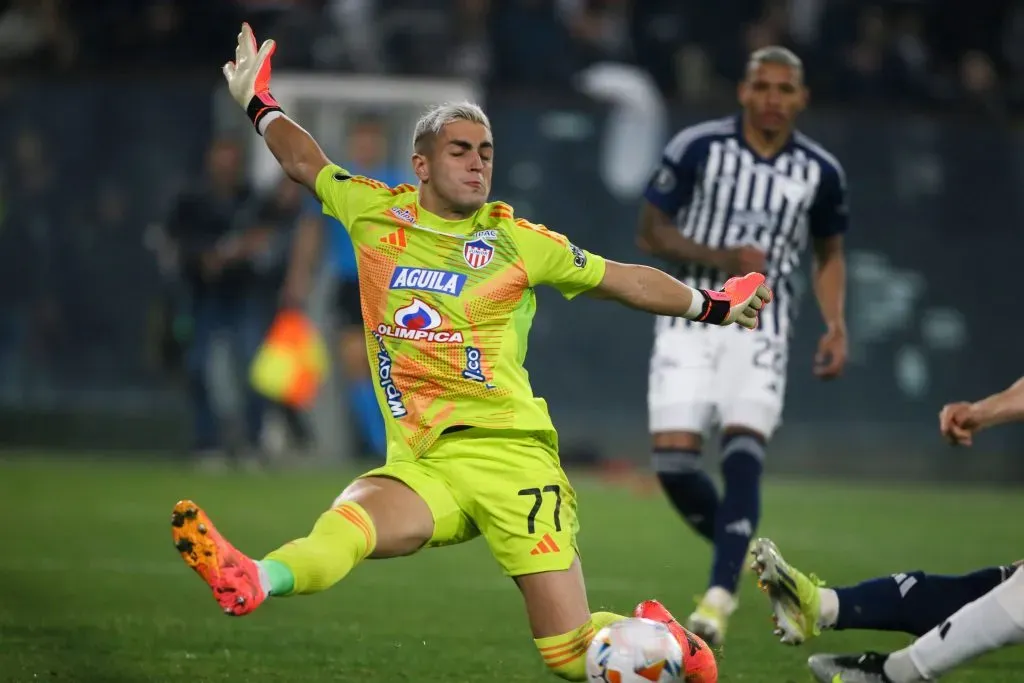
[739, 302]
[248, 78]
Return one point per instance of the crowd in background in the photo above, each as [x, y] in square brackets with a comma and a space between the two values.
[948, 53]
[105, 125]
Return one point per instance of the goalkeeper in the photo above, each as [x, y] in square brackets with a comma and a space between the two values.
[447, 306]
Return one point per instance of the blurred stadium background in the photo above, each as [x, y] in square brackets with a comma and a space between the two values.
[107, 112]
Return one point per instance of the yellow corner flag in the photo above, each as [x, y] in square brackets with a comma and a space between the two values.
[292, 362]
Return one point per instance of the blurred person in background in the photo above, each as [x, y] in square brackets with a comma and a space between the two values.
[742, 193]
[217, 243]
[272, 221]
[368, 152]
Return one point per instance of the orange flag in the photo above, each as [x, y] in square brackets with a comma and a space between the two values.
[292, 362]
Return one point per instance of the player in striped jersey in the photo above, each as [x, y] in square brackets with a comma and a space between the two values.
[743, 193]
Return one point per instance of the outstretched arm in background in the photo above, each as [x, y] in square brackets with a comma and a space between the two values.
[959, 421]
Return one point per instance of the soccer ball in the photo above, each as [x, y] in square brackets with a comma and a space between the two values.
[635, 651]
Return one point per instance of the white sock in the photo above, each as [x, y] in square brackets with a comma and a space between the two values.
[828, 612]
[264, 578]
[900, 668]
[719, 598]
[990, 622]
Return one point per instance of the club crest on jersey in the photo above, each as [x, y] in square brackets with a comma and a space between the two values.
[418, 321]
[425, 279]
[403, 214]
[477, 253]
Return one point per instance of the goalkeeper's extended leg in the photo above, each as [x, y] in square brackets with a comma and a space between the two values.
[375, 517]
[563, 626]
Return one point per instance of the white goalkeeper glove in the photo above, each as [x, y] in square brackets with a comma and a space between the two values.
[248, 78]
[739, 301]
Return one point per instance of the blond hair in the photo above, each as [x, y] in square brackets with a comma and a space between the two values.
[430, 125]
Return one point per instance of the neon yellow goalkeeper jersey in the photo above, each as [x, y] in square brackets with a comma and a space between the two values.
[447, 307]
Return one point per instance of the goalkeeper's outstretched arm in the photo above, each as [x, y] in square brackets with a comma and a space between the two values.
[298, 153]
[649, 289]
[248, 78]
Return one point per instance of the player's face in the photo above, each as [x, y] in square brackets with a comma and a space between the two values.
[459, 166]
[772, 96]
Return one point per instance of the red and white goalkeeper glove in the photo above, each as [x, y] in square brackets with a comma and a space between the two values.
[249, 78]
[740, 301]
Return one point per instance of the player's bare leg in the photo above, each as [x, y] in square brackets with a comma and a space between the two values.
[374, 517]
[402, 519]
[563, 626]
[556, 602]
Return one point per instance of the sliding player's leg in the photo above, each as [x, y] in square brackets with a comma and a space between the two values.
[993, 621]
[680, 407]
[911, 602]
[392, 511]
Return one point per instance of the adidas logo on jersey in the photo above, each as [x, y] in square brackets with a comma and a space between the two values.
[396, 238]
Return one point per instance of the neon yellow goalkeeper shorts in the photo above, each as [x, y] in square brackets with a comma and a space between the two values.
[506, 485]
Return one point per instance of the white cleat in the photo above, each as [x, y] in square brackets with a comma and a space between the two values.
[711, 618]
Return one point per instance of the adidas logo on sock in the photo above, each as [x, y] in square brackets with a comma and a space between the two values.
[741, 527]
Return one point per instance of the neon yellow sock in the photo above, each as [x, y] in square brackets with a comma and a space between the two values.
[566, 655]
[343, 537]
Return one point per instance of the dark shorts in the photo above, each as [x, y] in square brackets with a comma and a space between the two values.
[346, 304]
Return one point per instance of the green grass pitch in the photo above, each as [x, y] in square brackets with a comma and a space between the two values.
[92, 590]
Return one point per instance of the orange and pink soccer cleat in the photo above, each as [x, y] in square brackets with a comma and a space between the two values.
[233, 577]
[699, 661]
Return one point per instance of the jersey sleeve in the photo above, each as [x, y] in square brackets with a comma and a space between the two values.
[829, 215]
[346, 196]
[671, 186]
[551, 259]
